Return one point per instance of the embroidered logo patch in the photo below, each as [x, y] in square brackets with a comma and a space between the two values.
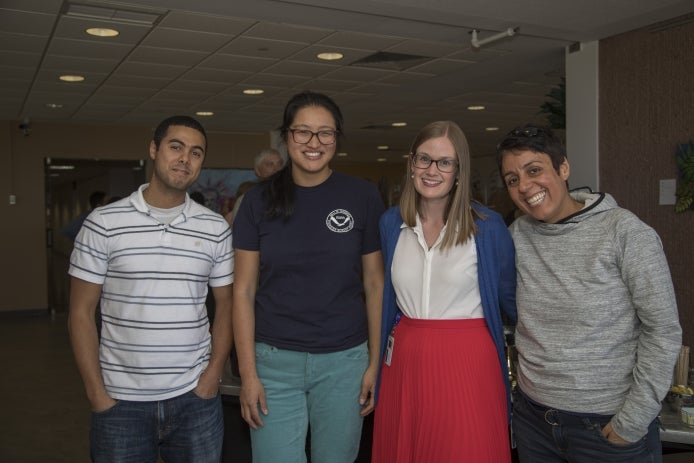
[340, 221]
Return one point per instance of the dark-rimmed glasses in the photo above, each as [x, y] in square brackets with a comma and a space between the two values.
[303, 136]
[422, 161]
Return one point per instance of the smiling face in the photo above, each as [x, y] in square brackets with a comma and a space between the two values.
[310, 160]
[177, 161]
[536, 187]
[431, 183]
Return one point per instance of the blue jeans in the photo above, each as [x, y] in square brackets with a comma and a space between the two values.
[186, 428]
[545, 435]
[317, 389]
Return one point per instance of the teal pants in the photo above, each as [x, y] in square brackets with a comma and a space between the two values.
[302, 389]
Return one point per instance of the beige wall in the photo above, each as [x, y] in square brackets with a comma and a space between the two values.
[646, 109]
[23, 236]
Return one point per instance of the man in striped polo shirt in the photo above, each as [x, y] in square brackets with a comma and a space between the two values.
[153, 378]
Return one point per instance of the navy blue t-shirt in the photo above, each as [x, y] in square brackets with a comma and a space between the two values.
[310, 294]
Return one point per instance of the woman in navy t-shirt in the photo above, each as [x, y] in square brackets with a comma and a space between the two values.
[308, 285]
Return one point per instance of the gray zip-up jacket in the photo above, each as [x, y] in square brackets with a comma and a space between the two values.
[598, 329]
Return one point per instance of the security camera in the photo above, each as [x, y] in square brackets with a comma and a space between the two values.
[25, 126]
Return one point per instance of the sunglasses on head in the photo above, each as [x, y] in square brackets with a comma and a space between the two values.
[527, 132]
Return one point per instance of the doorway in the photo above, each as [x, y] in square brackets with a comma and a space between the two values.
[69, 183]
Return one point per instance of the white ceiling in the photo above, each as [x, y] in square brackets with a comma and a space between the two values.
[183, 56]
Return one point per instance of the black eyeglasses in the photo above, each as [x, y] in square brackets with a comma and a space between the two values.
[422, 161]
[527, 132]
[303, 136]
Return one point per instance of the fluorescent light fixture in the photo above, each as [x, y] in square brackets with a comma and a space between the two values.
[102, 32]
[53, 105]
[383, 147]
[491, 129]
[341, 155]
[204, 113]
[381, 160]
[399, 124]
[253, 91]
[71, 78]
[61, 167]
[476, 107]
[330, 56]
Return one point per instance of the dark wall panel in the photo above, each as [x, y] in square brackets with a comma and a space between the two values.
[646, 109]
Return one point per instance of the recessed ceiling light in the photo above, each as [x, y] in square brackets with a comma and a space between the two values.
[381, 160]
[476, 108]
[341, 155]
[71, 78]
[102, 32]
[491, 129]
[253, 91]
[330, 56]
[382, 147]
[53, 105]
[204, 113]
[399, 124]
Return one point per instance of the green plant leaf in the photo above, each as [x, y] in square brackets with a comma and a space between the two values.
[555, 108]
[685, 160]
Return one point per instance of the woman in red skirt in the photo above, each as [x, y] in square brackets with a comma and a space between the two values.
[443, 393]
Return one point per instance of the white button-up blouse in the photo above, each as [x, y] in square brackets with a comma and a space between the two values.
[434, 284]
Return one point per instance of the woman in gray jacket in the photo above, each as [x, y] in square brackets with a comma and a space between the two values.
[598, 331]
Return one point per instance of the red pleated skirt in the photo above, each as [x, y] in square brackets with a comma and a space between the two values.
[442, 399]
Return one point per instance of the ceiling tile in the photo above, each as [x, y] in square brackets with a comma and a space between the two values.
[135, 68]
[287, 32]
[205, 22]
[167, 55]
[87, 49]
[78, 64]
[22, 42]
[360, 41]
[26, 22]
[185, 40]
[296, 68]
[227, 77]
[261, 48]
[235, 62]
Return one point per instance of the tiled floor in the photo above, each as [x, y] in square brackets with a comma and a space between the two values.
[44, 415]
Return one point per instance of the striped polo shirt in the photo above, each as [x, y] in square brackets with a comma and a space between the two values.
[155, 338]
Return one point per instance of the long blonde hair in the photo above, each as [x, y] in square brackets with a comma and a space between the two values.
[458, 215]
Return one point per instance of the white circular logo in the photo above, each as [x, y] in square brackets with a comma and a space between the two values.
[340, 221]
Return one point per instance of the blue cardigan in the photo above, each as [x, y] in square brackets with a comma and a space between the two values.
[496, 273]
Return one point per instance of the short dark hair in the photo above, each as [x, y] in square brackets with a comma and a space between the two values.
[198, 197]
[535, 138]
[185, 121]
[96, 199]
